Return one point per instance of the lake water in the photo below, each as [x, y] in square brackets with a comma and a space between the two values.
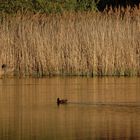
[98, 108]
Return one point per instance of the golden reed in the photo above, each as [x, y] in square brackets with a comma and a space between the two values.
[85, 43]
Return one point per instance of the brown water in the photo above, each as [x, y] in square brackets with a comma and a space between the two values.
[98, 108]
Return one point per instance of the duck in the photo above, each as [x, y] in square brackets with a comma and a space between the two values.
[62, 101]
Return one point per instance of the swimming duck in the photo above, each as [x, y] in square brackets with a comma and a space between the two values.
[62, 101]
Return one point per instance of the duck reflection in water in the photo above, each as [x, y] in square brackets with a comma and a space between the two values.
[62, 101]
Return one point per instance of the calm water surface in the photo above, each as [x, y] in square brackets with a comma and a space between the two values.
[98, 108]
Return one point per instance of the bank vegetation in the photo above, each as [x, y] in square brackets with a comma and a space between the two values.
[70, 43]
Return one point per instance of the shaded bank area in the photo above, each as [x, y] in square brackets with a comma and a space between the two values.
[83, 43]
[103, 4]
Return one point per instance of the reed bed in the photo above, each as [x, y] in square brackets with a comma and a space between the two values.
[82, 43]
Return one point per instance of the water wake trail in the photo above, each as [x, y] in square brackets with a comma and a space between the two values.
[128, 104]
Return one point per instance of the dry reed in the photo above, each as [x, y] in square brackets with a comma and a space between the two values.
[71, 44]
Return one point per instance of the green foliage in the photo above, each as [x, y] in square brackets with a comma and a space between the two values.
[12, 6]
[70, 4]
[47, 6]
[86, 5]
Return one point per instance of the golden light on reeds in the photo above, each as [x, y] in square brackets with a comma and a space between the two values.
[85, 43]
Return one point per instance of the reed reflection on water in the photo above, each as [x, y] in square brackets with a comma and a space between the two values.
[98, 108]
